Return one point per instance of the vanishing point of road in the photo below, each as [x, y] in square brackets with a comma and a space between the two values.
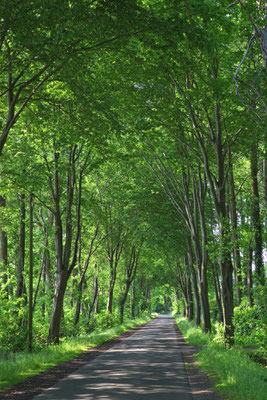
[147, 365]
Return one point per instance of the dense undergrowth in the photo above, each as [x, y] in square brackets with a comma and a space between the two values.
[234, 374]
[19, 366]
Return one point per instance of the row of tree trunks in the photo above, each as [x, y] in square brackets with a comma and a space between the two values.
[217, 289]
[209, 138]
[115, 246]
[80, 285]
[193, 214]
[194, 282]
[130, 268]
[182, 277]
[64, 262]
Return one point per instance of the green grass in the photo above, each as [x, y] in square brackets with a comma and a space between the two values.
[233, 373]
[23, 365]
[192, 334]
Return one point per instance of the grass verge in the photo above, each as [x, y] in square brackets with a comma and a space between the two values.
[24, 365]
[233, 373]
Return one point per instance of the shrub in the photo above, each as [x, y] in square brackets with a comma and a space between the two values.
[106, 320]
[13, 326]
[250, 328]
[218, 337]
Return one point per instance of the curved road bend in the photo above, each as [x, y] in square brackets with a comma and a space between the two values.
[147, 365]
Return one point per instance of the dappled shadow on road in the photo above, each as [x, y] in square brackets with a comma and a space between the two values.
[147, 365]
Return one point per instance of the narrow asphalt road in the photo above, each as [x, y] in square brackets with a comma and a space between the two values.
[147, 365]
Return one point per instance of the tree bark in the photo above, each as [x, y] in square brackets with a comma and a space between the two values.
[64, 266]
[256, 219]
[182, 280]
[264, 170]
[131, 268]
[31, 273]
[114, 253]
[97, 308]
[194, 282]
[217, 290]
[123, 300]
[112, 280]
[93, 302]
[217, 187]
[82, 277]
[3, 246]
[249, 277]
[236, 250]
[190, 311]
[199, 198]
[132, 299]
[20, 267]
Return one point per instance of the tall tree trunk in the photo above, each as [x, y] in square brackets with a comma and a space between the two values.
[256, 220]
[264, 170]
[182, 280]
[202, 271]
[55, 321]
[20, 267]
[110, 294]
[97, 308]
[82, 277]
[249, 277]
[194, 282]
[131, 268]
[198, 216]
[236, 250]
[226, 269]
[114, 254]
[123, 299]
[217, 290]
[148, 298]
[190, 311]
[61, 274]
[132, 299]
[64, 263]
[31, 273]
[47, 278]
[64, 266]
[94, 299]
[3, 246]
[37, 286]
[217, 187]
[78, 303]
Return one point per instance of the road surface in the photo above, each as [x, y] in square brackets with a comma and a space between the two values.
[147, 365]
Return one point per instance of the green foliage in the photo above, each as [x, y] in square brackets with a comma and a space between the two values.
[250, 329]
[218, 336]
[13, 330]
[108, 76]
[105, 319]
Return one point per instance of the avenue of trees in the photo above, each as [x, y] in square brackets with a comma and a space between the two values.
[133, 171]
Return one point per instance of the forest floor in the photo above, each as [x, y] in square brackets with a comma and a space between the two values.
[124, 372]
